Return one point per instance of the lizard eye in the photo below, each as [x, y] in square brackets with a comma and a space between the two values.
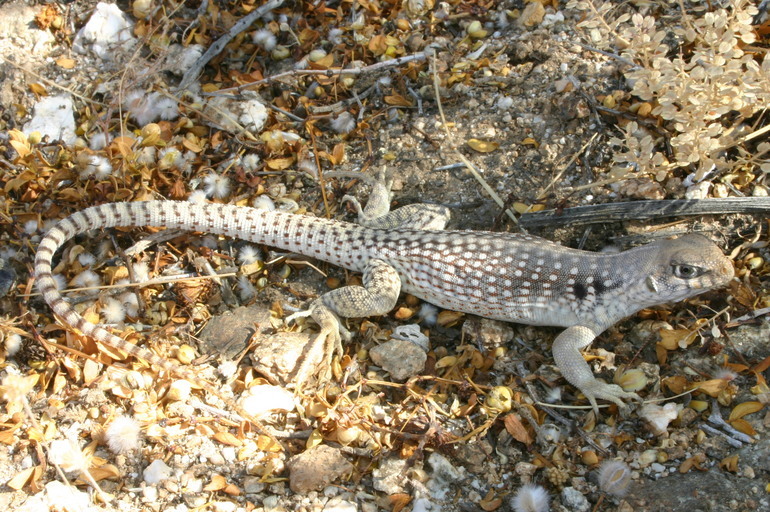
[687, 271]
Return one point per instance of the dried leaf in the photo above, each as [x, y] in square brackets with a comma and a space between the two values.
[399, 501]
[24, 477]
[65, 63]
[448, 318]
[218, 482]
[743, 426]
[745, 408]
[711, 387]
[279, 164]
[729, 463]
[38, 89]
[104, 472]
[672, 339]
[446, 361]
[398, 100]
[228, 439]
[516, 429]
[483, 146]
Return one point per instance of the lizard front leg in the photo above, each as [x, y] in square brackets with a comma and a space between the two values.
[574, 368]
[377, 296]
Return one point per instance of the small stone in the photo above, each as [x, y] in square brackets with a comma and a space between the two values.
[390, 477]
[698, 191]
[156, 472]
[402, 359]
[573, 501]
[340, 505]
[316, 468]
[532, 15]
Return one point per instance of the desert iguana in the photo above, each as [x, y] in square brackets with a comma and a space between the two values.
[510, 277]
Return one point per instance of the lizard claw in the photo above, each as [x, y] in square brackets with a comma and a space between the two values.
[612, 392]
[327, 343]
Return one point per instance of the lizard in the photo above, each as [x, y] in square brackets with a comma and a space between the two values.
[504, 276]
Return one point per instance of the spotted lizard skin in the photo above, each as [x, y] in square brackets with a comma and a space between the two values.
[510, 277]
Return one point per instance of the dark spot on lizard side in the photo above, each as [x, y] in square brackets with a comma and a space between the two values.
[580, 291]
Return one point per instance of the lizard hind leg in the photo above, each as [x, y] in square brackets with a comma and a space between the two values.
[377, 296]
[376, 214]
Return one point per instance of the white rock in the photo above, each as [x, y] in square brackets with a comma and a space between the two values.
[53, 116]
[259, 400]
[156, 472]
[108, 28]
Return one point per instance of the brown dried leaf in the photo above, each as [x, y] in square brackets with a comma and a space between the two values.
[279, 164]
[8, 437]
[448, 318]
[38, 89]
[65, 63]
[744, 426]
[399, 501]
[398, 100]
[711, 387]
[25, 477]
[218, 482]
[676, 384]
[483, 146]
[228, 439]
[729, 463]
[516, 429]
[745, 408]
[671, 339]
[104, 472]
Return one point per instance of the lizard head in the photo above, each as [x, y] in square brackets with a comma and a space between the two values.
[687, 266]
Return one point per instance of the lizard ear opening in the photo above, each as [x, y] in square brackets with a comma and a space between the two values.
[651, 284]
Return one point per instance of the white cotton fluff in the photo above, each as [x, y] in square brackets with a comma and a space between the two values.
[264, 38]
[335, 36]
[97, 166]
[98, 141]
[246, 290]
[87, 279]
[344, 123]
[13, 343]
[308, 165]
[181, 58]
[146, 156]
[141, 271]
[248, 255]
[169, 157]
[250, 162]
[428, 313]
[147, 108]
[531, 498]
[216, 186]
[263, 202]
[86, 259]
[254, 115]
[60, 282]
[197, 197]
[122, 435]
[67, 454]
[167, 108]
[30, 227]
[130, 303]
[112, 311]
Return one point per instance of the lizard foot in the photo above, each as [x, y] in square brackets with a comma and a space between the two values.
[597, 389]
[326, 344]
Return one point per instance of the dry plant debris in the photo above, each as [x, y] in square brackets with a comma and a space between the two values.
[677, 90]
